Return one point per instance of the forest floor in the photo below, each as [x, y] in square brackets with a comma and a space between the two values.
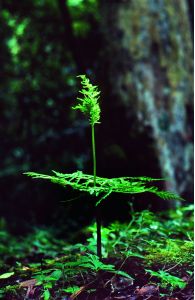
[149, 258]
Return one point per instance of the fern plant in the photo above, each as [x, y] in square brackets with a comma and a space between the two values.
[89, 105]
[100, 187]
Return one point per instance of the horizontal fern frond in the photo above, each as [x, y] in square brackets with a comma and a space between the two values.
[105, 186]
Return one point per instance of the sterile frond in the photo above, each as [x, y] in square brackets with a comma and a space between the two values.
[105, 186]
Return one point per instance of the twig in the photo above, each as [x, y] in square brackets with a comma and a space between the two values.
[173, 267]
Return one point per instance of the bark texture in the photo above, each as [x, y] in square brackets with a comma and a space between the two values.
[147, 72]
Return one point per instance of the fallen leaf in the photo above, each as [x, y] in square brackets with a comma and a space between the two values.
[27, 283]
[148, 290]
[25, 268]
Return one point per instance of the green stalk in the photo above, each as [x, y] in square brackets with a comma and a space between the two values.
[98, 213]
[94, 154]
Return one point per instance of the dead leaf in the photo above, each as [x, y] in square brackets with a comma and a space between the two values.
[147, 290]
[25, 268]
[28, 283]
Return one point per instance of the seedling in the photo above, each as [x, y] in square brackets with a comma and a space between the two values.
[96, 186]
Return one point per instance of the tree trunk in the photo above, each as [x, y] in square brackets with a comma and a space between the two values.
[146, 67]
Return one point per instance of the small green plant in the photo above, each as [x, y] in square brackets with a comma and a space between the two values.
[168, 280]
[92, 263]
[47, 279]
[96, 186]
[66, 271]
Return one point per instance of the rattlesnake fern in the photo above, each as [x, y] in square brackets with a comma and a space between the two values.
[100, 187]
[105, 186]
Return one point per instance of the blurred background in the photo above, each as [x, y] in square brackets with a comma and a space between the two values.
[139, 52]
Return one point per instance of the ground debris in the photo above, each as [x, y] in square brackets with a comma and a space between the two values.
[147, 290]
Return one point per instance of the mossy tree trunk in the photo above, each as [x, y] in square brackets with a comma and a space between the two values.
[147, 72]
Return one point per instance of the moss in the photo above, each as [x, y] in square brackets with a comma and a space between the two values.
[174, 253]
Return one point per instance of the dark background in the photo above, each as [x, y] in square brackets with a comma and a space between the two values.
[139, 52]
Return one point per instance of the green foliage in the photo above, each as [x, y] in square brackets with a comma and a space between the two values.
[88, 104]
[104, 186]
[72, 289]
[168, 280]
[9, 290]
[6, 275]
[46, 294]
[159, 239]
[80, 10]
[106, 237]
[146, 239]
[181, 221]
[93, 263]
[90, 261]
[47, 277]
[37, 242]
[60, 271]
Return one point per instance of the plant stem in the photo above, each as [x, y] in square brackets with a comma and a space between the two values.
[98, 213]
[94, 154]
